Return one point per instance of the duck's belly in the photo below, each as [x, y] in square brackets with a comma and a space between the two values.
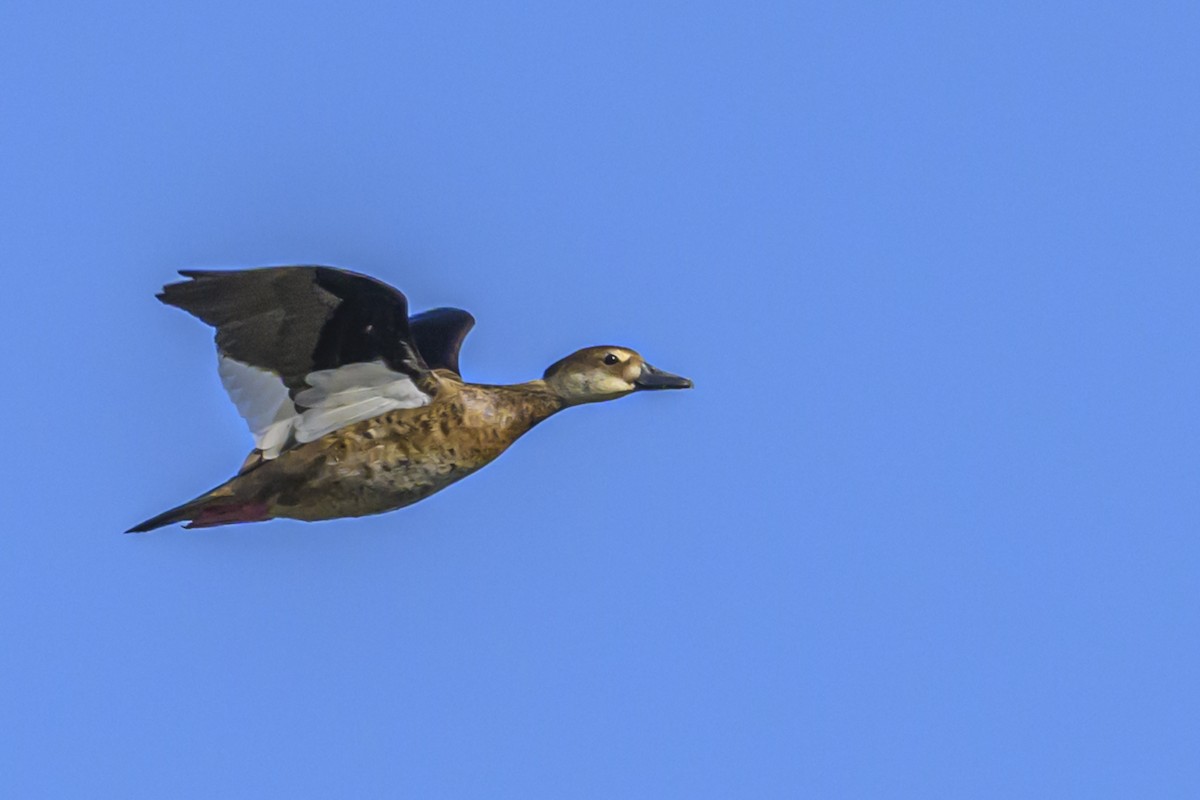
[372, 482]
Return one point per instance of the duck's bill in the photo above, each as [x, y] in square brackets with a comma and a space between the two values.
[652, 378]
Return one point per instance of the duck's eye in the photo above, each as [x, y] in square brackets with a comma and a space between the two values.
[611, 359]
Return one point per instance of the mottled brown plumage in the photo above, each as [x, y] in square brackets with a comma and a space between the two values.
[396, 459]
[403, 455]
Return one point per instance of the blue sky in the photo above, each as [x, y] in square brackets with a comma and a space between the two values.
[926, 527]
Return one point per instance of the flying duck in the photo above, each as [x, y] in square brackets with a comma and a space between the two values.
[357, 408]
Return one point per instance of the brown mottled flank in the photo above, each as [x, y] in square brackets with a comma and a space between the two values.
[398, 458]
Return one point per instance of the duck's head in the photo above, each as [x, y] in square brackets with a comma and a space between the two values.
[606, 373]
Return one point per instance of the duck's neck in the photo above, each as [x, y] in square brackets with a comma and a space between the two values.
[540, 399]
[505, 412]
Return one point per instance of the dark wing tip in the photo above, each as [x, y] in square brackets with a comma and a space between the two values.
[173, 292]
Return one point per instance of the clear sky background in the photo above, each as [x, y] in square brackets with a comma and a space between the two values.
[926, 527]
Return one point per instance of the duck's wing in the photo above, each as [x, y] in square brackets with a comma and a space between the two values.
[439, 335]
[307, 350]
[294, 321]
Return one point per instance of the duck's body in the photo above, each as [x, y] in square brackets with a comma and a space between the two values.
[393, 460]
[434, 429]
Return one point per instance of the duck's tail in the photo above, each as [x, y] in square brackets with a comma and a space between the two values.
[218, 507]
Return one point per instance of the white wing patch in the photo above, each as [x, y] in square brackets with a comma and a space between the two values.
[352, 393]
[337, 398]
[262, 400]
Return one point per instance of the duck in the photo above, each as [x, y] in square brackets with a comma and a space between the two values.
[357, 408]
